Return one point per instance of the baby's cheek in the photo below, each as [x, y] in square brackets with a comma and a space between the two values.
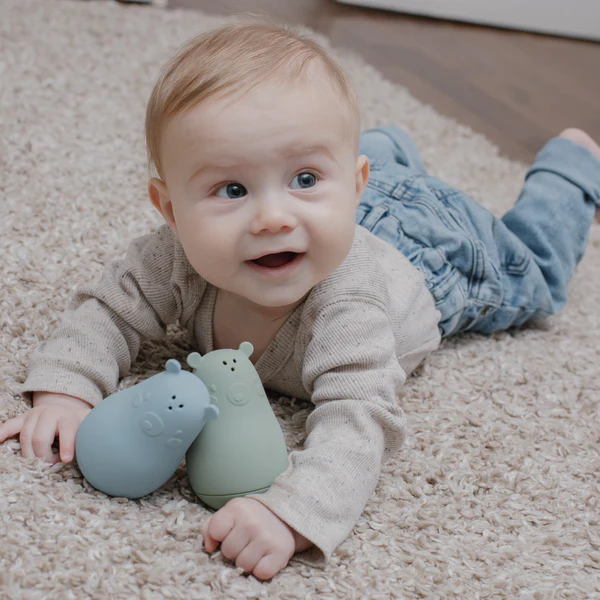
[199, 244]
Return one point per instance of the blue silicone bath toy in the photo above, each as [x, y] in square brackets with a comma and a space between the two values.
[133, 441]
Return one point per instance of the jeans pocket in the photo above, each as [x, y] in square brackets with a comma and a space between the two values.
[361, 212]
[515, 263]
[379, 222]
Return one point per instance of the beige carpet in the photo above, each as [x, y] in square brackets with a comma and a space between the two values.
[496, 494]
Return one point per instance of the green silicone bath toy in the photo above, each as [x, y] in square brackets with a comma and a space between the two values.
[243, 451]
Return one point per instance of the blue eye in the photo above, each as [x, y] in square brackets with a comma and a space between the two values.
[231, 190]
[304, 180]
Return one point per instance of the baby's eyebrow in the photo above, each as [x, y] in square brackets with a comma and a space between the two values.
[289, 152]
[306, 150]
[210, 167]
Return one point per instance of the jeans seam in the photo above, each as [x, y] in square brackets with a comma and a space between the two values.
[379, 186]
[401, 191]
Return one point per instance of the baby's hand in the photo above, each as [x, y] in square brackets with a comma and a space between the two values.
[249, 532]
[52, 415]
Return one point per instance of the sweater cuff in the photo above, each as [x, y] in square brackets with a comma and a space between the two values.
[279, 501]
[61, 382]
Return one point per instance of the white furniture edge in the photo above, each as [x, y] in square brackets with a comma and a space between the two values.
[574, 18]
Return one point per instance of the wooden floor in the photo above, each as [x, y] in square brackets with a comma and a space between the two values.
[519, 89]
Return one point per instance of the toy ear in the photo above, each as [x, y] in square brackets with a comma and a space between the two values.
[173, 366]
[211, 412]
[194, 360]
[247, 348]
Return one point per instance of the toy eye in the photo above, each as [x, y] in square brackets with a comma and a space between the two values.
[234, 360]
[181, 406]
[173, 398]
[224, 362]
[170, 408]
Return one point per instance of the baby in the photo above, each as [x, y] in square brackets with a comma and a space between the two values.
[336, 255]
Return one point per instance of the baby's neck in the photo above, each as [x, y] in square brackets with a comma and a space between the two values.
[252, 311]
[235, 322]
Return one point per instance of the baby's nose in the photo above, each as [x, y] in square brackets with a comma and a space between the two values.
[272, 215]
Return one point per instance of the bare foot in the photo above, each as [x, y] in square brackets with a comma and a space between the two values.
[582, 138]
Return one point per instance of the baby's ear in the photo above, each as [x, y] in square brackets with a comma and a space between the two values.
[159, 196]
[362, 176]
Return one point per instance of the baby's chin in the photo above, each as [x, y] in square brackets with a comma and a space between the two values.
[284, 301]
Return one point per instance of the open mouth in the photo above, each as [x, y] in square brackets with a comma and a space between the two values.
[274, 261]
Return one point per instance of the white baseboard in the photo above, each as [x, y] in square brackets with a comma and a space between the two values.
[574, 18]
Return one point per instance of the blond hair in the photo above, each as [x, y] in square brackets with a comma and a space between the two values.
[235, 57]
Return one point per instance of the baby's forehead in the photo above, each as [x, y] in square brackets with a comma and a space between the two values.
[312, 82]
[271, 106]
[281, 115]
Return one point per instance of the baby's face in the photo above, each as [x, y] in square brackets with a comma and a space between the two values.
[270, 171]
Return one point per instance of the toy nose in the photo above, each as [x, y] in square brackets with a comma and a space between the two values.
[189, 409]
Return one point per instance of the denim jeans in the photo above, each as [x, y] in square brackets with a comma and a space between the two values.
[485, 274]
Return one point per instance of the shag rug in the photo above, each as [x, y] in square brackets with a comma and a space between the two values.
[496, 493]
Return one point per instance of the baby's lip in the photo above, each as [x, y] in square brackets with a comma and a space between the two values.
[293, 250]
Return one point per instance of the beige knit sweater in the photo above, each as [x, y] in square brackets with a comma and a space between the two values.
[347, 348]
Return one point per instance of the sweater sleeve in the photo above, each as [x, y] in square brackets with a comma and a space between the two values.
[350, 369]
[101, 330]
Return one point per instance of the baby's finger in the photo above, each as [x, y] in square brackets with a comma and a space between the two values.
[210, 544]
[250, 556]
[27, 432]
[67, 431]
[11, 427]
[220, 524]
[43, 438]
[269, 565]
[235, 542]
